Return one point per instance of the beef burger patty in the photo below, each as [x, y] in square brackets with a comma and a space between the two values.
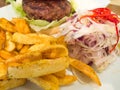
[46, 9]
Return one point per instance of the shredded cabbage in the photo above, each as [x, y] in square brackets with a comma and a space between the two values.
[89, 41]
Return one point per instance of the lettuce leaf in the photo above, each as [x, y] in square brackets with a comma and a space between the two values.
[37, 25]
[17, 6]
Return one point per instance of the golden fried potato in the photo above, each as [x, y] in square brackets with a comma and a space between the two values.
[21, 25]
[60, 74]
[34, 55]
[54, 51]
[6, 55]
[38, 47]
[24, 49]
[19, 46]
[2, 38]
[1, 59]
[51, 78]
[9, 46]
[60, 40]
[27, 39]
[85, 69]
[68, 79]
[8, 35]
[38, 68]
[43, 36]
[8, 84]
[3, 70]
[45, 84]
[7, 25]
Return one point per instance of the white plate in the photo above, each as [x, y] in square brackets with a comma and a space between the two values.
[110, 78]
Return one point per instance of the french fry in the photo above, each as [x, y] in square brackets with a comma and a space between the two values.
[24, 49]
[3, 70]
[37, 68]
[34, 55]
[2, 38]
[37, 47]
[8, 35]
[5, 54]
[19, 46]
[1, 59]
[27, 39]
[45, 84]
[21, 25]
[43, 36]
[60, 74]
[9, 46]
[51, 78]
[85, 69]
[61, 41]
[8, 84]
[68, 79]
[50, 51]
[7, 25]
[54, 51]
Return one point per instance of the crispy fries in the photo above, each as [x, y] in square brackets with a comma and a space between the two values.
[29, 38]
[11, 83]
[3, 69]
[37, 68]
[52, 82]
[9, 46]
[21, 25]
[7, 25]
[5, 54]
[45, 84]
[60, 74]
[68, 79]
[85, 69]
[37, 57]
[2, 38]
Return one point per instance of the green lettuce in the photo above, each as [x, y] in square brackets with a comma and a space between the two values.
[17, 6]
[74, 5]
[35, 24]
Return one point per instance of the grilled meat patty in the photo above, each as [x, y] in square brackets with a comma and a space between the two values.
[46, 9]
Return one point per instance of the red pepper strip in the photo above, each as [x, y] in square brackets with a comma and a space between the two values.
[105, 14]
[117, 33]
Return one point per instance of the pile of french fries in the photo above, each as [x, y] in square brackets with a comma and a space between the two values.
[42, 59]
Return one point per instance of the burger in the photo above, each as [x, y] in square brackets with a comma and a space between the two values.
[46, 9]
[42, 14]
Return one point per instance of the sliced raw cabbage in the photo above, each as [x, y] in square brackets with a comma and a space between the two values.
[37, 25]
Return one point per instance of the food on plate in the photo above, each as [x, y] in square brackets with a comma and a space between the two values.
[42, 14]
[21, 25]
[37, 68]
[31, 38]
[92, 37]
[46, 9]
[26, 55]
[8, 84]
[85, 69]
[52, 82]
[2, 38]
